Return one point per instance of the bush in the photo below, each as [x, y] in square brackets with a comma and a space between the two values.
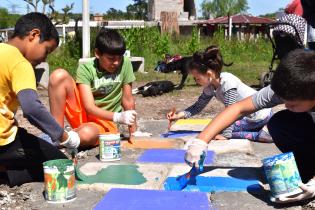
[150, 44]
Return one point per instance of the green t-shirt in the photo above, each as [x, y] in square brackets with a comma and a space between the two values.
[106, 87]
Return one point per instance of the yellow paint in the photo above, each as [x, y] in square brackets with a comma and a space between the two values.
[193, 122]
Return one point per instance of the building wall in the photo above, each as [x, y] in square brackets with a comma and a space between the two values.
[157, 6]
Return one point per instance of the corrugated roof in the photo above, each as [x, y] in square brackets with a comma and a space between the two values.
[240, 19]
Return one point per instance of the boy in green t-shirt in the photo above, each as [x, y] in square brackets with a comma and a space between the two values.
[101, 90]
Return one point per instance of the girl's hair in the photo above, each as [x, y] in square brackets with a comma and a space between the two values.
[211, 58]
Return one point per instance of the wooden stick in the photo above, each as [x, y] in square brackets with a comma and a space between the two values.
[130, 136]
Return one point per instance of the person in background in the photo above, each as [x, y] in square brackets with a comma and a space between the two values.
[206, 68]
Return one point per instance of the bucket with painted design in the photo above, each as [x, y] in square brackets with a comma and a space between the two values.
[59, 180]
[109, 147]
[282, 175]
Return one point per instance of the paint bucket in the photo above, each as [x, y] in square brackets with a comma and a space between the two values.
[59, 180]
[282, 175]
[109, 147]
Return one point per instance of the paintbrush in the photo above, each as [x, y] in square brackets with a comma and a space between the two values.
[183, 180]
[170, 121]
[130, 136]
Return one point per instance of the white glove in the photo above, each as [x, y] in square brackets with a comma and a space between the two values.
[308, 192]
[196, 152]
[141, 134]
[73, 140]
[127, 117]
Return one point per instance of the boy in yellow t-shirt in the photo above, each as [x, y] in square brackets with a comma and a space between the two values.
[21, 153]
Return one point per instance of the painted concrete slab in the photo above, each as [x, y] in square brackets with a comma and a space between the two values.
[153, 175]
[169, 156]
[153, 142]
[190, 124]
[118, 199]
[213, 179]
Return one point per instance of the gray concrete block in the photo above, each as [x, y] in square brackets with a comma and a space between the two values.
[42, 74]
[137, 64]
[155, 174]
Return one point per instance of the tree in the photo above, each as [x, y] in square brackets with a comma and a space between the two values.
[218, 8]
[138, 10]
[114, 14]
[53, 14]
[7, 20]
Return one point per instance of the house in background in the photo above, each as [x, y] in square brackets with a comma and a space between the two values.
[243, 26]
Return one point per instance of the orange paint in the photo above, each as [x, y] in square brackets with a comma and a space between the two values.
[71, 182]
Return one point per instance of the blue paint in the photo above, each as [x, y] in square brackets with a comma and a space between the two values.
[215, 184]
[169, 156]
[133, 199]
[177, 134]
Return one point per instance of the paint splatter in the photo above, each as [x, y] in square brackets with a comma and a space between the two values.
[114, 174]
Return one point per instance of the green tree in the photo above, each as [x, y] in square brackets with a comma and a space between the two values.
[114, 14]
[218, 8]
[7, 20]
[138, 10]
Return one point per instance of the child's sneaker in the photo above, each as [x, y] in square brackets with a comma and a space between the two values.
[264, 135]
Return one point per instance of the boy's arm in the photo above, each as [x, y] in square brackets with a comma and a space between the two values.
[226, 118]
[128, 101]
[38, 115]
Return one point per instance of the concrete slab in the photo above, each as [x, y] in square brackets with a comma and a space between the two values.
[243, 201]
[250, 173]
[232, 145]
[156, 127]
[154, 174]
[153, 142]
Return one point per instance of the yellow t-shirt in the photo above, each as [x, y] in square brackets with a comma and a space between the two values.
[16, 74]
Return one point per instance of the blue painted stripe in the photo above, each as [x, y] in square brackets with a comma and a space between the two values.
[133, 199]
[169, 156]
[215, 184]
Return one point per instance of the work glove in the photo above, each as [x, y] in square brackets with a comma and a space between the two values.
[141, 134]
[196, 153]
[127, 117]
[73, 140]
[308, 192]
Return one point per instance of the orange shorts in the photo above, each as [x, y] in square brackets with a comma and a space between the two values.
[76, 115]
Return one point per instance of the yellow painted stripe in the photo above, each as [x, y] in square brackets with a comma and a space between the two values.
[193, 122]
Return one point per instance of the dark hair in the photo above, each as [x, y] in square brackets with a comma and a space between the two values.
[110, 41]
[294, 78]
[36, 20]
[211, 58]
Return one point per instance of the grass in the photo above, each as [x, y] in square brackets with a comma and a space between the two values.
[250, 58]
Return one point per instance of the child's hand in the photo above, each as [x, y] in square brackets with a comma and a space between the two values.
[127, 117]
[175, 116]
[220, 137]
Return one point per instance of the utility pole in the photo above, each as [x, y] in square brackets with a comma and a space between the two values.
[85, 29]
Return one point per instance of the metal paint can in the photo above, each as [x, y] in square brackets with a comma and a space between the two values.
[282, 175]
[109, 147]
[59, 178]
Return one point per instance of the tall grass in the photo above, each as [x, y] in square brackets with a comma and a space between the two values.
[250, 58]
